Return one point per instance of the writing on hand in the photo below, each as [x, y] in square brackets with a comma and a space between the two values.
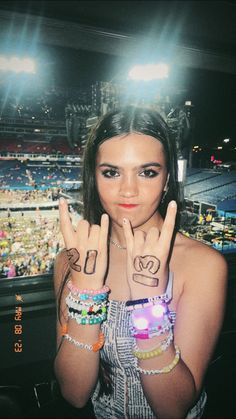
[90, 261]
[73, 257]
[144, 265]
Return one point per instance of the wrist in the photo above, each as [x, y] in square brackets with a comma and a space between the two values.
[138, 290]
[84, 287]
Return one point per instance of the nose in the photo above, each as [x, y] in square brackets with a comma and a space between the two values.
[128, 187]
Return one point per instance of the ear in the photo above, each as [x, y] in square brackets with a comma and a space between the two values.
[166, 184]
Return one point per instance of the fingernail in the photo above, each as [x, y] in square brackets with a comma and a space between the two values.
[173, 204]
[62, 200]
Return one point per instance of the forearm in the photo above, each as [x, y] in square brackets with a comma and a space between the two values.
[170, 394]
[77, 368]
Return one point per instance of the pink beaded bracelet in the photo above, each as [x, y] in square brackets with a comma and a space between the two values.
[76, 291]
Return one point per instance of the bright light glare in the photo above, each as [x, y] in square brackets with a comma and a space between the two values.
[149, 72]
[140, 323]
[158, 310]
[18, 65]
[226, 140]
[3, 63]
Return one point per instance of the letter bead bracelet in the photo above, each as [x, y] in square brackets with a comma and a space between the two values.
[94, 347]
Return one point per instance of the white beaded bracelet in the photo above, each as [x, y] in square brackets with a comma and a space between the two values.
[157, 350]
[95, 347]
[163, 370]
[77, 343]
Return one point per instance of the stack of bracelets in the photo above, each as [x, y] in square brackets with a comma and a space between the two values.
[87, 307]
[151, 317]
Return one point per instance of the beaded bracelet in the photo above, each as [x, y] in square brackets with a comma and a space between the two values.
[95, 309]
[64, 329]
[148, 317]
[94, 347]
[158, 350]
[150, 333]
[77, 300]
[146, 302]
[87, 313]
[85, 306]
[87, 292]
[95, 319]
[96, 297]
[163, 370]
[138, 306]
[164, 298]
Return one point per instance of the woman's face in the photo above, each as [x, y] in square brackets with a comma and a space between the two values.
[131, 174]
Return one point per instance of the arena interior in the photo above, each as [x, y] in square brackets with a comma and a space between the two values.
[42, 136]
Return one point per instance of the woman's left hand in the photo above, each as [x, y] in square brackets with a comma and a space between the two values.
[148, 256]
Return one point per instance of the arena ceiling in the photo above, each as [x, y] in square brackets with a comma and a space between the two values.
[197, 34]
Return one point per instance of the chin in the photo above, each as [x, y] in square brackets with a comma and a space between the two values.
[136, 222]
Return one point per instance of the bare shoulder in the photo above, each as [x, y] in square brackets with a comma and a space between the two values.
[200, 259]
[61, 269]
[199, 299]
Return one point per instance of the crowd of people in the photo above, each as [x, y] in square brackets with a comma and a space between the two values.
[28, 243]
[34, 196]
[16, 174]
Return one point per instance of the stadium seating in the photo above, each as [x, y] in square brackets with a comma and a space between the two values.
[210, 186]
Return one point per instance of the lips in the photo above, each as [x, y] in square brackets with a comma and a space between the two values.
[128, 206]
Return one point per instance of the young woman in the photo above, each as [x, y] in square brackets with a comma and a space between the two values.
[140, 305]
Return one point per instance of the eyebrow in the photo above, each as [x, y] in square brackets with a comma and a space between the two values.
[143, 166]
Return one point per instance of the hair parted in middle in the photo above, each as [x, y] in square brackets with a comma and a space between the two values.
[124, 121]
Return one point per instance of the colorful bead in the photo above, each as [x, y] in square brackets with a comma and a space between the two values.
[87, 292]
[64, 328]
[151, 332]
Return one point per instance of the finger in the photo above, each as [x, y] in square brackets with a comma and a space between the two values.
[65, 223]
[152, 237]
[129, 238]
[168, 226]
[139, 239]
[102, 244]
[82, 232]
[94, 236]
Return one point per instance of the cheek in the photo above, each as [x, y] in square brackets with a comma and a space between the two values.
[152, 192]
[104, 189]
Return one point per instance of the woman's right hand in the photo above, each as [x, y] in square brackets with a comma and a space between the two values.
[87, 249]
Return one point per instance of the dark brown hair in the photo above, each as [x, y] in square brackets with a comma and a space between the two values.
[123, 121]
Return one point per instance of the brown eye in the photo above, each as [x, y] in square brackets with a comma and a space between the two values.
[110, 173]
[149, 173]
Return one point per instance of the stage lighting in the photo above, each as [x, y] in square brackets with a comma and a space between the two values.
[149, 72]
[17, 64]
